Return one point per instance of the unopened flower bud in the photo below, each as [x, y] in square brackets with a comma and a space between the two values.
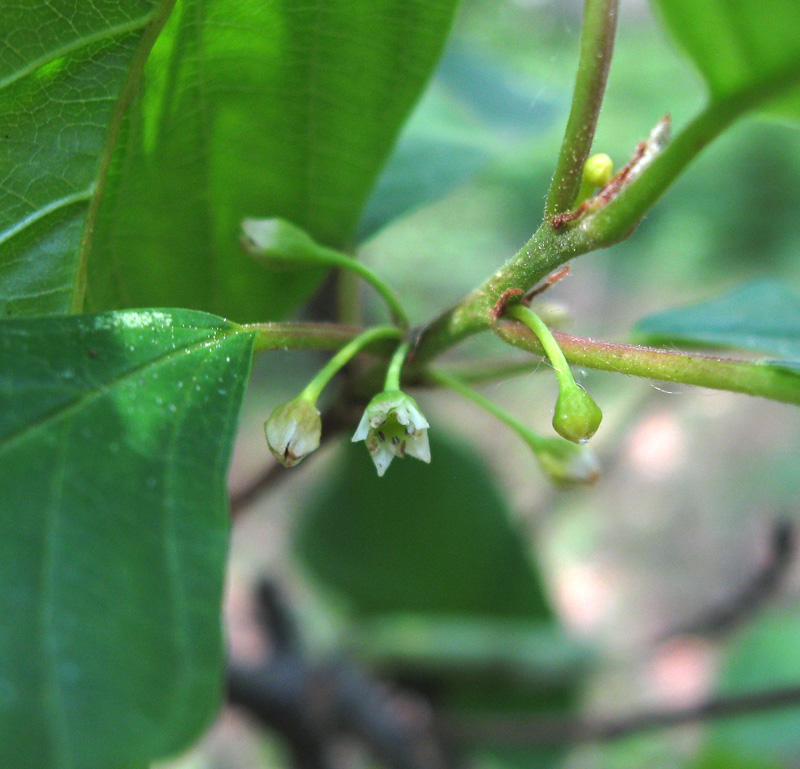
[279, 243]
[598, 170]
[393, 426]
[576, 416]
[567, 463]
[293, 431]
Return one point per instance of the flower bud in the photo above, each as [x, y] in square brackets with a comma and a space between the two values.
[393, 426]
[278, 243]
[576, 416]
[567, 463]
[598, 170]
[293, 431]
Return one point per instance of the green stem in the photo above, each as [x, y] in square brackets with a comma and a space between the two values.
[553, 351]
[337, 259]
[315, 387]
[395, 369]
[524, 432]
[613, 222]
[597, 46]
[348, 298]
[548, 249]
[473, 372]
[300, 336]
[749, 377]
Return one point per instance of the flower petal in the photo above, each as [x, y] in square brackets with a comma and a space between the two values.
[382, 456]
[362, 430]
[417, 446]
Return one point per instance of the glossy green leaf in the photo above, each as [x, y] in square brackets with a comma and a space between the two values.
[435, 544]
[115, 435]
[254, 109]
[738, 45]
[65, 68]
[763, 316]
[763, 657]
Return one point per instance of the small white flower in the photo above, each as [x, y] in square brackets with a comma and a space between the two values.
[393, 426]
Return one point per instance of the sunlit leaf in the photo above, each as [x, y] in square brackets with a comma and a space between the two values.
[738, 45]
[254, 109]
[115, 435]
[64, 70]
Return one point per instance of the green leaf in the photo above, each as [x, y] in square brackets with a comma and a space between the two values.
[763, 316]
[424, 538]
[435, 545]
[715, 758]
[66, 69]
[763, 657]
[115, 435]
[739, 46]
[254, 109]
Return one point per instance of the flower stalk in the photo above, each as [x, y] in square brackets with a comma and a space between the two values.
[293, 430]
[563, 461]
[278, 243]
[576, 415]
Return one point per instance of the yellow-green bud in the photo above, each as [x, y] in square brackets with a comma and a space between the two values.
[598, 170]
[576, 416]
[293, 431]
[278, 243]
[567, 463]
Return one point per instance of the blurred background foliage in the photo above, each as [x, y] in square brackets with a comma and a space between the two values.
[693, 481]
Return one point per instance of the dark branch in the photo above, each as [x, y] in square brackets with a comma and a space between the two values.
[719, 620]
[313, 705]
[522, 731]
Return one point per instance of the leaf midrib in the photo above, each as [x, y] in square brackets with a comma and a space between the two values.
[93, 393]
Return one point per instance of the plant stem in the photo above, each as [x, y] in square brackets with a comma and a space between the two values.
[749, 377]
[544, 252]
[348, 298]
[597, 46]
[472, 372]
[545, 336]
[613, 222]
[527, 730]
[395, 369]
[524, 432]
[315, 387]
[336, 258]
[548, 249]
[301, 336]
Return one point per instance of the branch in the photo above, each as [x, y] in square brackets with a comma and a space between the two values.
[548, 249]
[597, 46]
[521, 731]
[314, 704]
[616, 220]
[759, 588]
[744, 376]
